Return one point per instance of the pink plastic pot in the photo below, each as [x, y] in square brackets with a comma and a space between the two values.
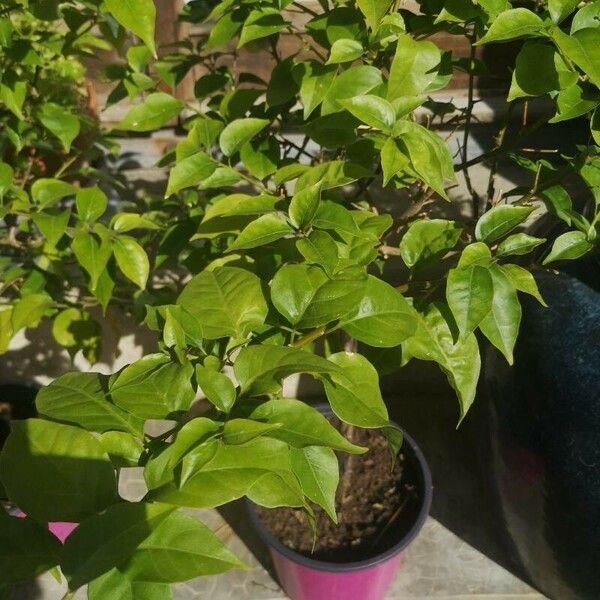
[304, 578]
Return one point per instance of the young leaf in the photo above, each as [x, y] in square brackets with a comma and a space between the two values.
[157, 109]
[523, 281]
[264, 230]
[189, 171]
[137, 16]
[217, 387]
[319, 248]
[374, 11]
[344, 50]
[518, 244]
[52, 223]
[569, 246]
[115, 584]
[91, 203]
[560, 9]
[316, 81]
[499, 221]
[353, 82]
[372, 110]
[260, 23]
[132, 260]
[304, 205]
[240, 431]
[92, 254]
[393, 160]
[56, 472]
[239, 132]
[512, 24]
[583, 48]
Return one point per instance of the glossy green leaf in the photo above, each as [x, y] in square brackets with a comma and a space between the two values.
[587, 16]
[319, 248]
[569, 246]
[132, 260]
[459, 360]
[518, 244]
[56, 472]
[261, 157]
[138, 16]
[560, 9]
[372, 110]
[108, 540]
[27, 549]
[393, 160]
[353, 82]
[52, 223]
[316, 81]
[29, 310]
[469, 292]
[318, 472]
[499, 221]
[428, 240]
[153, 387]
[80, 399]
[93, 254]
[523, 281]
[124, 449]
[261, 369]
[190, 171]
[240, 431]
[583, 48]
[227, 301]
[261, 22]
[91, 203]
[355, 398]
[512, 24]
[304, 205]
[239, 132]
[61, 122]
[48, 191]
[501, 325]
[344, 50]
[383, 318]
[263, 230]
[217, 387]
[374, 11]
[156, 110]
[117, 586]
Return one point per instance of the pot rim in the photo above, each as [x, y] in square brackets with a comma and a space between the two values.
[270, 540]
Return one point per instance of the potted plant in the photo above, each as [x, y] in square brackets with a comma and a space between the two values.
[289, 256]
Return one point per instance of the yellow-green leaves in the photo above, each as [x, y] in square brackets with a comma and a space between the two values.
[372, 110]
[499, 221]
[132, 260]
[261, 23]
[239, 132]
[304, 205]
[92, 252]
[155, 111]
[91, 203]
[344, 50]
[512, 24]
[263, 230]
[569, 246]
[374, 11]
[189, 171]
[138, 16]
[428, 240]
[61, 122]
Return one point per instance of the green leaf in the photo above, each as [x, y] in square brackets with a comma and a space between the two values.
[190, 171]
[92, 254]
[264, 230]
[132, 260]
[560, 9]
[316, 81]
[344, 50]
[428, 240]
[75, 329]
[48, 191]
[319, 248]
[523, 281]
[13, 97]
[240, 431]
[261, 22]
[91, 203]
[587, 16]
[282, 86]
[374, 11]
[153, 387]
[259, 469]
[261, 369]
[224, 30]
[217, 387]
[477, 253]
[518, 244]
[61, 122]
[501, 325]
[413, 68]
[499, 221]
[583, 48]
[109, 540]
[159, 470]
[512, 24]
[353, 82]
[261, 157]
[123, 222]
[372, 110]
[138, 16]
[56, 472]
[52, 223]
[124, 449]
[569, 246]
[539, 70]
[156, 110]
[29, 310]
[460, 361]
[318, 472]
[240, 132]
[6, 178]
[304, 205]
[469, 293]
[383, 318]
[117, 586]
[27, 549]
[301, 425]
[227, 301]
[458, 11]
[355, 398]
[80, 399]
[393, 160]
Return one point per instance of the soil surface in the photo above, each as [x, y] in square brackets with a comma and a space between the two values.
[376, 505]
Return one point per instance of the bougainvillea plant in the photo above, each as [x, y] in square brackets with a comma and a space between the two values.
[284, 188]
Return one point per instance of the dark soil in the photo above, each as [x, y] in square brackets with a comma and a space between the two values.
[376, 507]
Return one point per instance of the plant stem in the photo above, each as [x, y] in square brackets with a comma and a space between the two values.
[311, 336]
